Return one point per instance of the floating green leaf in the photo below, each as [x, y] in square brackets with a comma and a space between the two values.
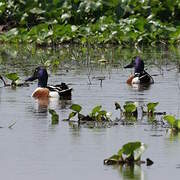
[12, 76]
[129, 108]
[95, 110]
[54, 116]
[178, 124]
[132, 152]
[151, 107]
[170, 119]
[130, 147]
[72, 114]
[76, 107]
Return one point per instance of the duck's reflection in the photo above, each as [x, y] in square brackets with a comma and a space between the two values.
[43, 104]
[140, 87]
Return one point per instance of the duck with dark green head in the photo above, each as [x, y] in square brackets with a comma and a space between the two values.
[140, 76]
[43, 90]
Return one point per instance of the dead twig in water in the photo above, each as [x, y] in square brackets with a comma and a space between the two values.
[11, 125]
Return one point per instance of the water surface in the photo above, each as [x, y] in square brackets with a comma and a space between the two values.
[35, 149]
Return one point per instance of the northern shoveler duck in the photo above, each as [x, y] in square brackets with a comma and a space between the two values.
[140, 76]
[43, 91]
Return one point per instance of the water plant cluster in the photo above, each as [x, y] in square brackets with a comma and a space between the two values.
[129, 154]
[99, 117]
[125, 22]
[173, 122]
[13, 77]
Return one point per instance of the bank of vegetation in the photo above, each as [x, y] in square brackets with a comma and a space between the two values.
[122, 22]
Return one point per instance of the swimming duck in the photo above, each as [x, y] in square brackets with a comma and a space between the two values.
[43, 91]
[140, 76]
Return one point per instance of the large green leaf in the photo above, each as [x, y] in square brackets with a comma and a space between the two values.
[95, 110]
[114, 157]
[12, 76]
[151, 106]
[72, 114]
[177, 124]
[170, 119]
[129, 148]
[54, 116]
[36, 10]
[76, 107]
[129, 107]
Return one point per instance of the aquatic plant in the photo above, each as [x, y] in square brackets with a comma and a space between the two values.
[96, 114]
[151, 107]
[173, 122]
[13, 77]
[76, 111]
[130, 153]
[54, 116]
[121, 22]
[129, 109]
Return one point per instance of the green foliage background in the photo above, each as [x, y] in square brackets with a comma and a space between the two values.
[125, 22]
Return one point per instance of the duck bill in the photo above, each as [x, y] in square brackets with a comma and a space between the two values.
[32, 78]
[131, 65]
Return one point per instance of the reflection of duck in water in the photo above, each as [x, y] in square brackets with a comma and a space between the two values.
[140, 76]
[44, 91]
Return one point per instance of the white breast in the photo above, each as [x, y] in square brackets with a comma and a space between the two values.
[136, 80]
[54, 94]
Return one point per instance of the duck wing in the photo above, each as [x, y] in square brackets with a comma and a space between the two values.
[146, 78]
[63, 90]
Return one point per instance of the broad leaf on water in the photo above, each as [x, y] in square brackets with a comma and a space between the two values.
[12, 76]
[95, 110]
[72, 114]
[177, 124]
[54, 116]
[114, 157]
[129, 108]
[102, 113]
[170, 119]
[52, 111]
[76, 107]
[120, 152]
[55, 119]
[151, 106]
[129, 148]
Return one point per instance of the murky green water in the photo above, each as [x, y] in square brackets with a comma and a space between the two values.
[35, 149]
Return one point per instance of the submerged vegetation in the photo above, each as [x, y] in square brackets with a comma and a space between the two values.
[125, 22]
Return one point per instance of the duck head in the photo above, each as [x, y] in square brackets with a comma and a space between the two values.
[41, 74]
[138, 65]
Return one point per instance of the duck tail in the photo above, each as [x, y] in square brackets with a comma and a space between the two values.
[152, 80]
